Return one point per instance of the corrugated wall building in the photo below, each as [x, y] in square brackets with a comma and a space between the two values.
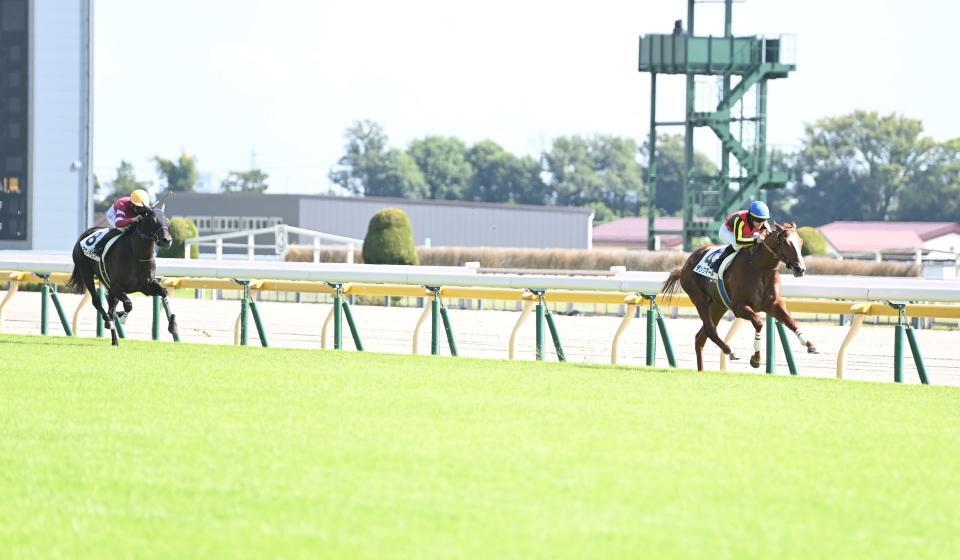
[444, 223]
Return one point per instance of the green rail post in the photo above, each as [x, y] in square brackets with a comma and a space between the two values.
[448, 327]
[155, 329]
[651, 333]
[63, 316]
[353, 326]
[664, 334]
[121, 332]
[787, 350]
[901, 308]
[917, 357]
[561, 356]
[261, 331]
[540, 320]
[244, 304]
[44, 299]
[337, 316]
[898, 355]
[771, 346]
[100, 325]
[435, 321]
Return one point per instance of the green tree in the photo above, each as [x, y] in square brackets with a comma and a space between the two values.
[854, 166]
[370, 168]
[599, 169]
[398, 176]
[178, 176]
[124, 183]
[601, 214]
[389, 239]
[253, 180]
[671, 169]
[499, 176]
[934, 195]
[443, 162]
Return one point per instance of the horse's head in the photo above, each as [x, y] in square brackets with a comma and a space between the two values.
[154, 225]
[785, 244]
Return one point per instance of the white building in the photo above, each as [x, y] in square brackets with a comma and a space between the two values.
[46, 194]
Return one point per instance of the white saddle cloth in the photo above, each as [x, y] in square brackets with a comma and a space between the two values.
[703, 268]
[89, 244]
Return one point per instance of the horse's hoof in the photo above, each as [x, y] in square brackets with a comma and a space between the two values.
[732, 357]
[754, 362]
[172, 327]
[811, 349]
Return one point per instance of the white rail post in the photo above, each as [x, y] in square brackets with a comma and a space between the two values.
[186, 253]
[349, 253]
[316, 250]
[219, 245]
[251, 247]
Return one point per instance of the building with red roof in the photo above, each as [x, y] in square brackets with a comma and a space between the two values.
[852, 238]
[631, 233]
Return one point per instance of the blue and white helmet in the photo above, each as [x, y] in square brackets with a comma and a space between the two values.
[759, 210]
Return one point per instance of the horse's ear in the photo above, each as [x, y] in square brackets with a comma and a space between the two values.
[778, 227]
[793, 225]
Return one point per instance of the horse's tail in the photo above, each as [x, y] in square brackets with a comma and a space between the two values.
[671, 286]
[76, 280]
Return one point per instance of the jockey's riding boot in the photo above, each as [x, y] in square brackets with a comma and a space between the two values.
[715, 265]
[98, 249]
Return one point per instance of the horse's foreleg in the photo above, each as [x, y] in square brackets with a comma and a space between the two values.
[127, 304]
[154, 288]
[747, 312]
[112, 302]
[779, 310]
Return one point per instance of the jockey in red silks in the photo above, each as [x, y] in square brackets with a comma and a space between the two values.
[124, 213]
[742, 229]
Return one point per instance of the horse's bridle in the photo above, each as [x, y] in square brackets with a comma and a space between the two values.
[776, 252]
[154, 235]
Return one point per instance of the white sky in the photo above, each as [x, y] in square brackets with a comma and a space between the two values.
[285, 78]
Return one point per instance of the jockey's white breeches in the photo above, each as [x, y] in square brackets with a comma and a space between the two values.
[726, 236]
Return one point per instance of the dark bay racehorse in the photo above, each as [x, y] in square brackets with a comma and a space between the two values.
[128, 268]
[753, 284]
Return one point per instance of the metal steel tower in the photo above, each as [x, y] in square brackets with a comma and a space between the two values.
[754, 60]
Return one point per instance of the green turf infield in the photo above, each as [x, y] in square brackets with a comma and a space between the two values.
[189, 451]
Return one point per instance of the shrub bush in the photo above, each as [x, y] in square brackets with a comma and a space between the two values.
[389, 239]
[813, 242]
[181, 229]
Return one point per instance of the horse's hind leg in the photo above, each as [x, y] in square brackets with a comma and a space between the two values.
[710, 316]
[747, 312]
[699, 342]
[112, 302]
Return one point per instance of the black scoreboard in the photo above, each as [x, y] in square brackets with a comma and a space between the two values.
[14, 129]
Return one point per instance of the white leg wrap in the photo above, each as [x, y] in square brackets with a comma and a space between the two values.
[756, 343]
[802, 340]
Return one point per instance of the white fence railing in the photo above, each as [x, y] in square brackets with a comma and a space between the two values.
[860, 288]
[281, 234]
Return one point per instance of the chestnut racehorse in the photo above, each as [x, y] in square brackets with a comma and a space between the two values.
[752, 281]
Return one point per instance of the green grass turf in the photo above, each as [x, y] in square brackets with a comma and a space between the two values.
[164, 450]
